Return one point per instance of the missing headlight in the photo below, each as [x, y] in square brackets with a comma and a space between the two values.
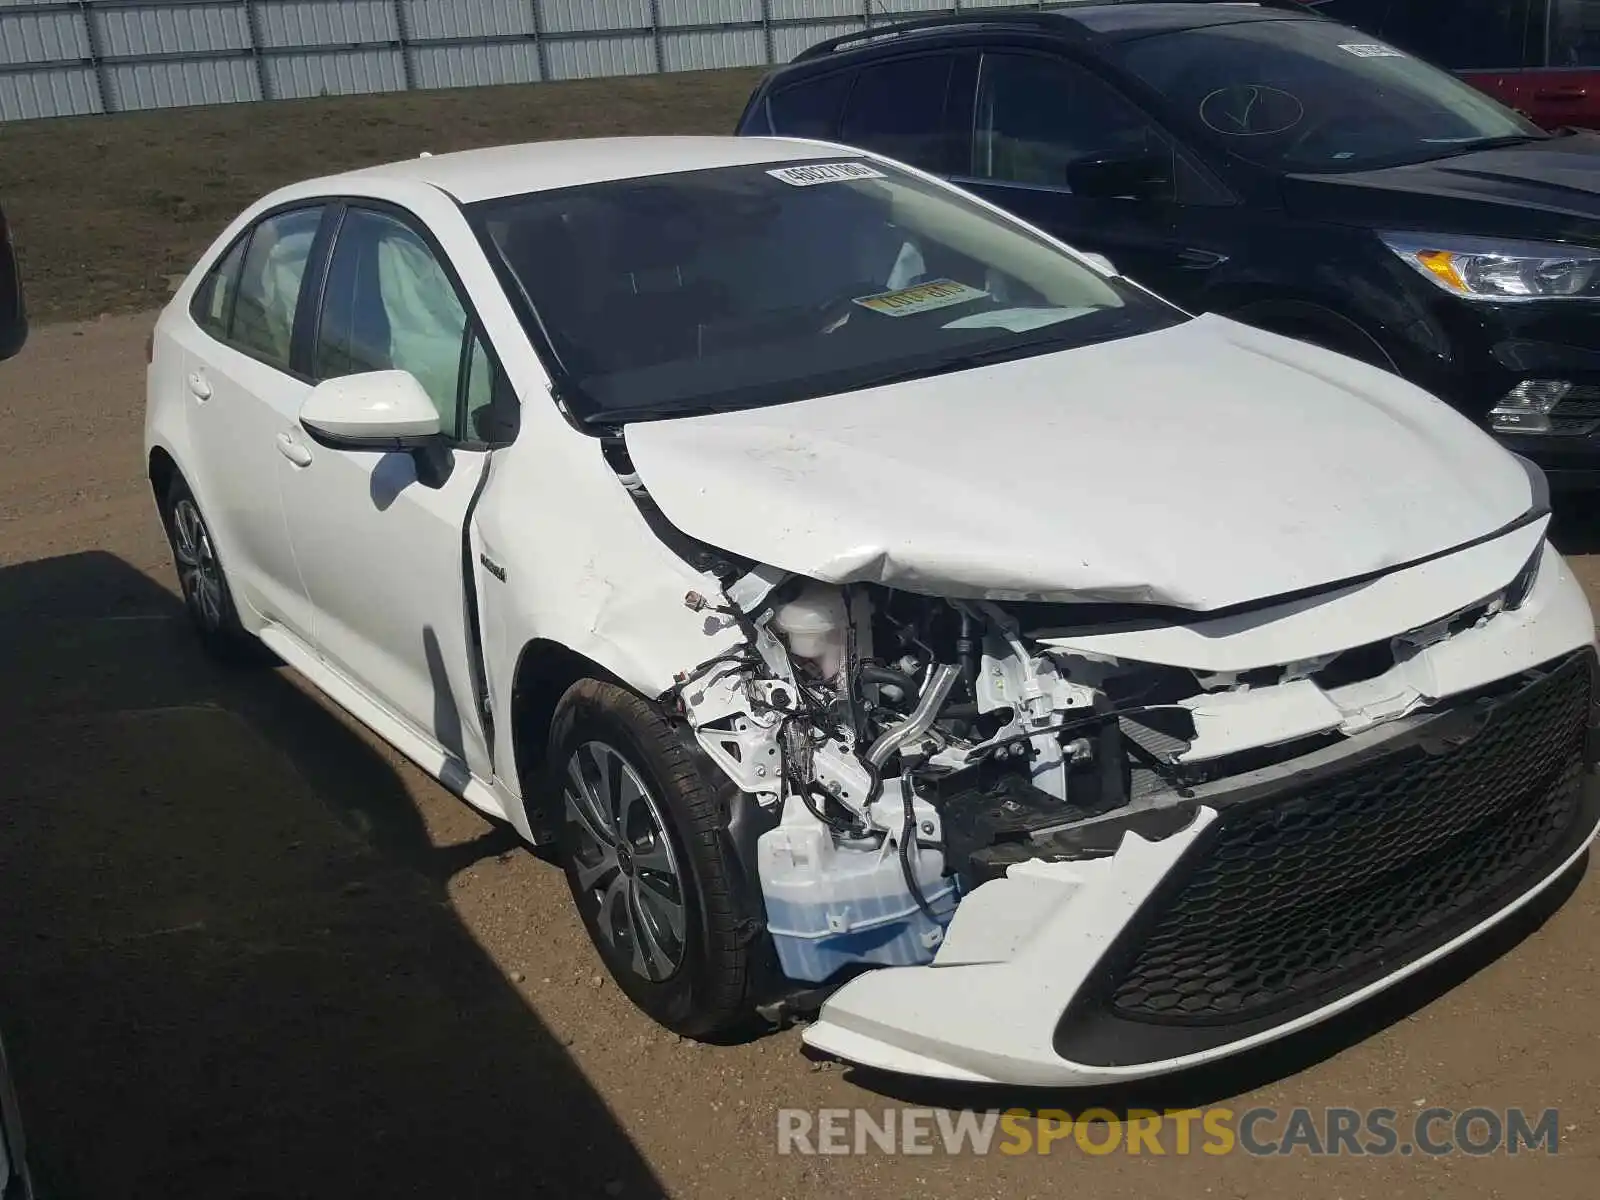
[1522, 586]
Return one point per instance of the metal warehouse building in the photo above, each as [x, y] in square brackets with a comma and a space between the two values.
[62, 57]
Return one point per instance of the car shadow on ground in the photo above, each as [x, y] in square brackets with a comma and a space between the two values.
[229, 966]
[1270, 1064]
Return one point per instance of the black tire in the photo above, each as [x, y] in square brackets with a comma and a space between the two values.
[207, 598]
[698, 985]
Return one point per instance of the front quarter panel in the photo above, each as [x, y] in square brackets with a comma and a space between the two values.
[581, 566]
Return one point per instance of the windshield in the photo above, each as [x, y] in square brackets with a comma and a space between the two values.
[743, 286]
[1316, 96]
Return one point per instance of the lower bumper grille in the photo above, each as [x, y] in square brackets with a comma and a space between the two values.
[1307, 894]
[1578, 412]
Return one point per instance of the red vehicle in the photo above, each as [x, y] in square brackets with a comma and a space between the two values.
[1539, 56]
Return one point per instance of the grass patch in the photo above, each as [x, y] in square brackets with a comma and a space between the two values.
[105, 209]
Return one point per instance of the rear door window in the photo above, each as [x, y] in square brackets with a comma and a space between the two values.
[212, 308]
[810, 108]
[270, 285]
[897, 109]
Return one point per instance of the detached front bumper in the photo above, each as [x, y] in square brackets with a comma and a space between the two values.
[1291, 895]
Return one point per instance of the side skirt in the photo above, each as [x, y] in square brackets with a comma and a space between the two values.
[453, 774]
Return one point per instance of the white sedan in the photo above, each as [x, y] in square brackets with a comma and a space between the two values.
[851, 576]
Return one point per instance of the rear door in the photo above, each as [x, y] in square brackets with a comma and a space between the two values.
[242, 396]
[1563, 87]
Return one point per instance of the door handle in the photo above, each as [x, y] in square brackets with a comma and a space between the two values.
[199, 388]
[1566, 93]
[1193, 259]
[293, 450]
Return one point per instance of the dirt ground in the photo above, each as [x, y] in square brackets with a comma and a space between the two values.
[246, 951]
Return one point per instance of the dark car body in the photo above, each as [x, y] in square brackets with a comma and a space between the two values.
[1294, 249]
[15, 1181]
[13, 315]
[1541, 57]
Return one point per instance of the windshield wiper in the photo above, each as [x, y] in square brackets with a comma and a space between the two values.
[1000, 354]
[653, 412]
[1472, 145]
[845, 381]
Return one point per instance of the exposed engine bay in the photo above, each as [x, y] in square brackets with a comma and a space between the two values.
[917, 747]
[1111, 799]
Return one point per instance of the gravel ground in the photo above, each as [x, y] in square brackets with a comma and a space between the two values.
[246, 951]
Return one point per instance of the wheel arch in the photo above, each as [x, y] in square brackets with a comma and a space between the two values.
[161, 469]
[1311, 321]
[545, 670]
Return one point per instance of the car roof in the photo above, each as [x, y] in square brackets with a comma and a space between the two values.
[1116, 21]
[473, 175]
[1095, 20]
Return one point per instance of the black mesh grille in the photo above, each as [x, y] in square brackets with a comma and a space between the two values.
[1294, 896]
[1578, 412]
[1580, 402]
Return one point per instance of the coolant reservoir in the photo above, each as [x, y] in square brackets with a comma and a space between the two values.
[831, 904]
[813, 624]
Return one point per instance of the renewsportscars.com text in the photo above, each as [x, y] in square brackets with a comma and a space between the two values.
[1259, 1132]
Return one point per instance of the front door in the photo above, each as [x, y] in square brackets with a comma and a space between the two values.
[1036, 116]
[380, 545]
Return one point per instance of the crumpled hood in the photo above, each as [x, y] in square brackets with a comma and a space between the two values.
[1202, 466]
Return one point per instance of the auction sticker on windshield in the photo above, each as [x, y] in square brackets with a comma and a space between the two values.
[940, 293]
[1370, 50]
[815, 173]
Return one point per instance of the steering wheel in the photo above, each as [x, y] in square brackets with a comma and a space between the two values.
[831, 315]
[1329, 125]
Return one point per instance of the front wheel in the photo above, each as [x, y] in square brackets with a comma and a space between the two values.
[646, 859]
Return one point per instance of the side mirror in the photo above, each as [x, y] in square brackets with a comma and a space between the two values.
[1100, 261]
[1136, 177]
[378, 411]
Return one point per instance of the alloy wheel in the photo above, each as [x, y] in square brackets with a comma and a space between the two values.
[624, 862]
[199, 573]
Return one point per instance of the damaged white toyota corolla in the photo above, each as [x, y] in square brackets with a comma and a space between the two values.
[852, 577]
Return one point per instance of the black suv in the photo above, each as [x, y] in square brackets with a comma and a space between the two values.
[1264, 162]
[13, 317]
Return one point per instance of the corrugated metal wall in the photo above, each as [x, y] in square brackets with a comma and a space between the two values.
[60, 57]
